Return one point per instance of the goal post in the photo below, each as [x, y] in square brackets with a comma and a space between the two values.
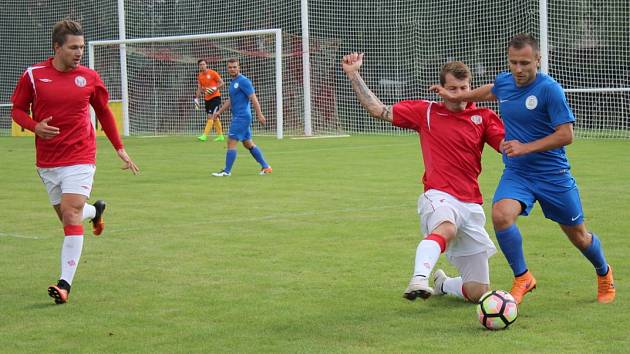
[157, 81]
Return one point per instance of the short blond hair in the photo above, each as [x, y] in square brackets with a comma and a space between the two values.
[458, 69]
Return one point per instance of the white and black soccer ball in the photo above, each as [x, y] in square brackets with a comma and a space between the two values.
[497, 309]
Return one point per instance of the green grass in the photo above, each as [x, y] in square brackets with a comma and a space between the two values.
[313, 258]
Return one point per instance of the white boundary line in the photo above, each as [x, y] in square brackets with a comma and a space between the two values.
[2, 234]
[175, 225]
[320, 137]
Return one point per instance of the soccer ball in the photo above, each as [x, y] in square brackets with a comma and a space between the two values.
[497, 309]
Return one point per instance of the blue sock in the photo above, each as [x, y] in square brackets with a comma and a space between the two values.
[230, 157]
[511, 244]
[257, 154]
[595, 254]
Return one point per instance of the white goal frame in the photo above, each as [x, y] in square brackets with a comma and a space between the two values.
[123, 65]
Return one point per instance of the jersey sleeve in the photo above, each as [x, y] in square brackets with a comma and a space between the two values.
[557, 106]
[247, 87]
[499, 82]
[99, 101]
[410, 114]
[494, 130]
[216, 76]
[22, 99]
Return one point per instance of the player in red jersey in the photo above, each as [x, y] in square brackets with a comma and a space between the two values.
[58, 93]
[452, 137]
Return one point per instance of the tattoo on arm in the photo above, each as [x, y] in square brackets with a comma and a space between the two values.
[368, 99]
[387, 113]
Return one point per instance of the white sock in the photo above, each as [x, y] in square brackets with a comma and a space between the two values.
[89, 211]
[427, 254]
[70, 254]
[453, 286]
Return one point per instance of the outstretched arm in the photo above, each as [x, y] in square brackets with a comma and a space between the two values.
[482, 93]
[372, 104]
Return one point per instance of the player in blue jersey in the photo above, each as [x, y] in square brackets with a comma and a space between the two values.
[242, 93]
[538, 124]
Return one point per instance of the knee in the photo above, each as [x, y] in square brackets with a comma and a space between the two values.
[501, 218]
[582, 239]
[71, 215]
[475, 290]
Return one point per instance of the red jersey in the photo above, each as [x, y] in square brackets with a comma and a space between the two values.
[452, 143]
[66, 97]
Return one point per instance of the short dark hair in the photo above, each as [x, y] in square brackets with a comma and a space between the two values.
[200, 60]
[524, 39]
[63, 28]
[456, 68]
[233, 60]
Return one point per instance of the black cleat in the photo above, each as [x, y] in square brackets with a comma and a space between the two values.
[98, 224]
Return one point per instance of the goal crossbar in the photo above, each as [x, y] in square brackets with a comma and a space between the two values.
[122, 42]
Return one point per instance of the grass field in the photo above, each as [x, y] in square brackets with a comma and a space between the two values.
[313, 258]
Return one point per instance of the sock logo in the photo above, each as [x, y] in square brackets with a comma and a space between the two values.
[72, 263]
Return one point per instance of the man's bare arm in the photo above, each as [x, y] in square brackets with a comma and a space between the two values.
[372, 104]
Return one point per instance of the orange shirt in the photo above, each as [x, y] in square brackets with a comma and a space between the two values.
[209, 79]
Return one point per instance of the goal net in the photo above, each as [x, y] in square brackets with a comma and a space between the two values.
[405, 41]
[155, 79]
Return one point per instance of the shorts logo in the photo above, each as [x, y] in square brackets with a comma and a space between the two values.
[236, 85]
[531, 102]
[576, 217]
[476, 119]
[80, 81]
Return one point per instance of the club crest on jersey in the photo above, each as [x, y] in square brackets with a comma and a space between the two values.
[531, 102]
[80, 81]
[236, 85]
[476, 119]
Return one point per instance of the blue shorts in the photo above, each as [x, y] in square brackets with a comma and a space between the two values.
[557, 194]
[240, 129]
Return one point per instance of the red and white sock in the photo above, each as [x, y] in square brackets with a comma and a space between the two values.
[71, 251]
[454, 286]
[89, 211]
[427, 254]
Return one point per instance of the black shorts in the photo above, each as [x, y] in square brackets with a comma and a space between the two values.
[213, 104]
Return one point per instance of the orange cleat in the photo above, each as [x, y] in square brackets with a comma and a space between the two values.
[606, 287]
[98, 224]
[60, 295]
[265, 171]
[522, 285]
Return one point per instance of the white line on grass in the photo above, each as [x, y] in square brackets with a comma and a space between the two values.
[2, 234]
[320, 137]
[338, 148]
[226, 221]
[256, 219]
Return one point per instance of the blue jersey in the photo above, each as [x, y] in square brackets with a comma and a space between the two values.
[530, 113]
[240, 90]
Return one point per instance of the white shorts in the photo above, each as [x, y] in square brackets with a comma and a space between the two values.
[436, 207]
[473, 268]
[75, 179]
